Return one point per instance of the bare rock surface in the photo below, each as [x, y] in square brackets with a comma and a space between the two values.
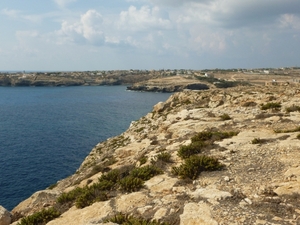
[5, 216]
[258, 184]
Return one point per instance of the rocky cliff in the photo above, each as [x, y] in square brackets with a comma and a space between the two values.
[202, 157]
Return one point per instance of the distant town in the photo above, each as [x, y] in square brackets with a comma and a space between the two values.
[128, 77]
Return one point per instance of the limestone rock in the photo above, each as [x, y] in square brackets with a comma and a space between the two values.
[5, 216]
[90, 215]
[210, 193]
[37, 201]
[195, 214]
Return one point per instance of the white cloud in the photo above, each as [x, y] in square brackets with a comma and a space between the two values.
[144, 18]
[19, 15]
[11, 13]
[63, 3]
[289, 21]
[87, 29]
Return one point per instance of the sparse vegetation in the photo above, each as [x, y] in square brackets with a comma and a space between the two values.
[164, 157]
[125, 219]
[257, 141]
[271, 105]
[41, 217]
[249, 104]
[202, 140]
[126, 178]
[225, 116]
[143, 160]
[194, 165]
[131, 183]
[297, 129]
[145, 172]
[219, 83]
[186, 151]
[293, 108]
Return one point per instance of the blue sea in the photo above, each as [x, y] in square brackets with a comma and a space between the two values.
[46, 132]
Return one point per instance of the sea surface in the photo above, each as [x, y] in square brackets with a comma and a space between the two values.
[46, 132]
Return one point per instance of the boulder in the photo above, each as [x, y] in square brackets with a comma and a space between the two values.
[195, 214]
[5, 216]
[36, 202]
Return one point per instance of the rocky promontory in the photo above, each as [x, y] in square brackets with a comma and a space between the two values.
[169, 84]
[218, 156]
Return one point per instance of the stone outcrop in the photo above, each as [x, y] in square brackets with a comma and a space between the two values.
[5, 216]
[259, 183]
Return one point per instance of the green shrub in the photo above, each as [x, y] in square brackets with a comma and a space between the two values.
[70, 196]
[228, 84]
[297, 129]
[202, 140]
[113, 176]
[89, 196]
[293, 108]
[194, 165]
[213, 136]
[257, 141]
[271, 105]
[126, 178]
[225, 116]
[186, 151]
[40, 218]
[125, 219]
[131, 183]
[145, 172]
[164, 157]
[249, 104]
[298, 136]
[52, 186]
[143, 160]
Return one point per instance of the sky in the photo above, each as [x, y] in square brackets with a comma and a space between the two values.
[81, 35]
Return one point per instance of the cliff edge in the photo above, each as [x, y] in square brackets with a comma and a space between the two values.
[218, 156]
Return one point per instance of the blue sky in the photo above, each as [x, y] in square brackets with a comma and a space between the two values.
[148, 34]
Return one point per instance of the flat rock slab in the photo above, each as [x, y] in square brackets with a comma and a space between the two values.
[196, 214]
[90, 215]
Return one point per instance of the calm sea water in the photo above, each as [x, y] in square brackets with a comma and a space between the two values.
[46, 132]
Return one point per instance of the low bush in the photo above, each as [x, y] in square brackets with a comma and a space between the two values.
[257, 141]
[297, 129]
[70, 196]
[89, 196]
[186, 151]
[145, 172]
[126, 178]
[164, 157]
[125, 219]
[194, 165]
[213, 136]
[202, 140]
[249, 104]
[225, 116]
[298, 136]
[271, 105]
[40, 218]
[131, 184]
[293, 108]
[143, 160]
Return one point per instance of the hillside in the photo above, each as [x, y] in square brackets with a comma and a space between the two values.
[218, 156]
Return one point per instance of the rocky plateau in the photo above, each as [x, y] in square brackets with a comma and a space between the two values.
[259, 182]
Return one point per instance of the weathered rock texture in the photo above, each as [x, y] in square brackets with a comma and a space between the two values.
[260, 183]
[5, 216]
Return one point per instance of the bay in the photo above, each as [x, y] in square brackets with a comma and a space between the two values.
[46, 132]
